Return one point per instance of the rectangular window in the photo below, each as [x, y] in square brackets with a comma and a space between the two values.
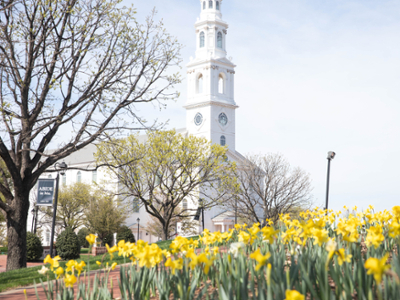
[94, 176]
[136, 205]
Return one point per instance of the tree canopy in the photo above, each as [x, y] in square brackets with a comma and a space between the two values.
[166, 170]
[70, 72]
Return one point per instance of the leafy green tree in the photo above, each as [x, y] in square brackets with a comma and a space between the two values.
[73, 66]
[72, 203]
[105, 215]
[82, 234]
[168, 169]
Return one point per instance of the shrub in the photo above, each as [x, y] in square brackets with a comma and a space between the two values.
[82, 233]
[34, 248]
[68, 246]
[108, 239]
[125, 233]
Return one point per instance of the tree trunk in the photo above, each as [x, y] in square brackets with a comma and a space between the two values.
[16, 232]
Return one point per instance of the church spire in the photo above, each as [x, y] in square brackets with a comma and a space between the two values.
[210, 102]
[211, 31]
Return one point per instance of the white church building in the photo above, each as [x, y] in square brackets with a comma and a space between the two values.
[210, 113]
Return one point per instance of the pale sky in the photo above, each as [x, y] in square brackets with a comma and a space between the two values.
[311, 77]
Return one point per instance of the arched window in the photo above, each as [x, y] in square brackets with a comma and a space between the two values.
[221, 84]
[200, 84]
[210, 5]
[184, 204]
[201, 39]
[223, 140]
[64, 179]
[219, 40]
[204, 5]
[79, 176]
[94, 176]
[217, 5]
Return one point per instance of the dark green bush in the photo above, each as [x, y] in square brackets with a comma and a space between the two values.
[108, 239]
[82, 233]
[125, 233]
[34, 249]
[67, 244]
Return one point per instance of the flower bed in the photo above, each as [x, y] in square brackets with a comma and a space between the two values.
[318, 256]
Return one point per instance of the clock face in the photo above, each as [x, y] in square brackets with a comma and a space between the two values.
[222, 119]
[198, 119]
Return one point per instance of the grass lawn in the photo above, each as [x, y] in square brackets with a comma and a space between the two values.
[27, 276]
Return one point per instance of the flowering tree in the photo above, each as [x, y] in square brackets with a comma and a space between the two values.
[70, 71]
[168, 169]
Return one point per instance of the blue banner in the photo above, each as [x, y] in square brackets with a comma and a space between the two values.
[45, 192]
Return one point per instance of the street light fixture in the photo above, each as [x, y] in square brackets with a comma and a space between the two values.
[138, 220]
[60, 168]
[331, 155]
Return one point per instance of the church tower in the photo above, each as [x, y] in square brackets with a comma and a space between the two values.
[210, 106]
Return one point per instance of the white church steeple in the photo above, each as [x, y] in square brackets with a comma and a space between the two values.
[210, 105]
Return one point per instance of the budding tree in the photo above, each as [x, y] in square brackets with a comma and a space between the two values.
[70, 71]
[166, 170]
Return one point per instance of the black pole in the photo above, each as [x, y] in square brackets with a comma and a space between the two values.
[33, 219]
[137, 231]
[36, 216]
[54, 216]
[327, 186]
[236, 210]
[202, 216]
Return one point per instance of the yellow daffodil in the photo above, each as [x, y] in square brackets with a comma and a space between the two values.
[269, 233]
[91, 238]
[261, 259]
[112, 250]
[70, 280]
[176, 264]
[59, 271]
[70, 265]
[79, 267]
[343, 257]
[293, 295]
[377, 267]
[52, 261]
[375, 236]
[215, 250]
[320, 236]
[114, 264]
[98, 263]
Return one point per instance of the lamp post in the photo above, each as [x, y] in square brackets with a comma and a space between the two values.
[60, 168]
[33, 218]
[138, 220]
[331, 156]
